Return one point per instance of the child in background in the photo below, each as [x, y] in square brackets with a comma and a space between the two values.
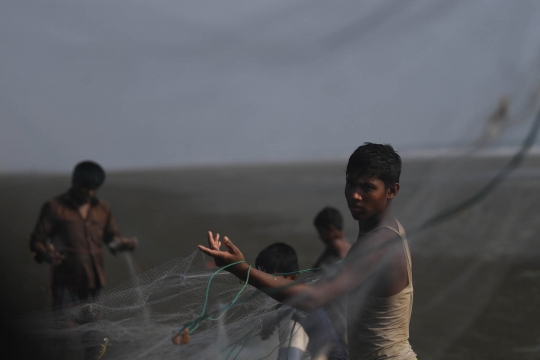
[329, 226]
[299, 332]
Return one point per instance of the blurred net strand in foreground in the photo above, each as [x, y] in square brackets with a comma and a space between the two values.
[512, 165]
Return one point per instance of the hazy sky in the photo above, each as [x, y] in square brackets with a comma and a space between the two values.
[139, 83]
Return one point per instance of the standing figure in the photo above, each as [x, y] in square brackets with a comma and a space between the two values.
[70, 234]
[329, 226]
[376, 274]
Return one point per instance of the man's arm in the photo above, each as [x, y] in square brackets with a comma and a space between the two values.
[359, 266]
[111, 229]
[113, 238]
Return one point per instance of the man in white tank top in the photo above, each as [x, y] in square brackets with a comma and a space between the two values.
[375, 276]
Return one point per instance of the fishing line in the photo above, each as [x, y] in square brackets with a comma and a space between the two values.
[506, 171]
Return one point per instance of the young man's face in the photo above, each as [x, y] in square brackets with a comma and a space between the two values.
[368, 197]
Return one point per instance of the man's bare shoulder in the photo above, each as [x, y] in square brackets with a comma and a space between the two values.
[381, 236]
[371, 248]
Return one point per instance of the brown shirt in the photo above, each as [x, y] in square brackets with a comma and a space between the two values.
[79, 240]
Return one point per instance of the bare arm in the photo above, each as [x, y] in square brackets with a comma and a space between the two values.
[301, 296]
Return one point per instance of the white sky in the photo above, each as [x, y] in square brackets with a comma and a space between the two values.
[156, 83]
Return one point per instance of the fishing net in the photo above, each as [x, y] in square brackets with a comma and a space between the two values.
[225, 317]
[228, 319]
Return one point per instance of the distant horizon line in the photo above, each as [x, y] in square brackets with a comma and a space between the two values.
[407, 155]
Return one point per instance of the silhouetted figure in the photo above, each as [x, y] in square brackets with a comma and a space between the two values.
[70, 234]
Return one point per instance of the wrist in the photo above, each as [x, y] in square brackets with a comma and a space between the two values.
[240, 270]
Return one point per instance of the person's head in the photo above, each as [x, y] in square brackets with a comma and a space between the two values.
[372, 177]
[87, 177]
[278, 258]
[329, 224]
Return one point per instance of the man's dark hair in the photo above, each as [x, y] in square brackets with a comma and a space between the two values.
[277, 258]
[329, 216]
[377, 160]
[88, 174]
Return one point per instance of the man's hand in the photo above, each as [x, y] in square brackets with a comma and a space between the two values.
[222, 258]
[53, 257]
[122, 244]
[129, 243]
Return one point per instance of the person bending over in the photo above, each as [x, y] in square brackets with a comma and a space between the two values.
[375, 275]
[299, 332]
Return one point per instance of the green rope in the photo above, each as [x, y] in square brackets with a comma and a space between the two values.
[192, 326]
[303, 271]
[236, 298]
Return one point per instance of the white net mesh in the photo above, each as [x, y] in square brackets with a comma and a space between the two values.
[226, 318]
[138, 318]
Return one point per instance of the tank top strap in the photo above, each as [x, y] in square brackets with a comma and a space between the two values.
[406, 248]
[401, 232]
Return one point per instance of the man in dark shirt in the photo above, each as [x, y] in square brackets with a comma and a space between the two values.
[70, 233]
